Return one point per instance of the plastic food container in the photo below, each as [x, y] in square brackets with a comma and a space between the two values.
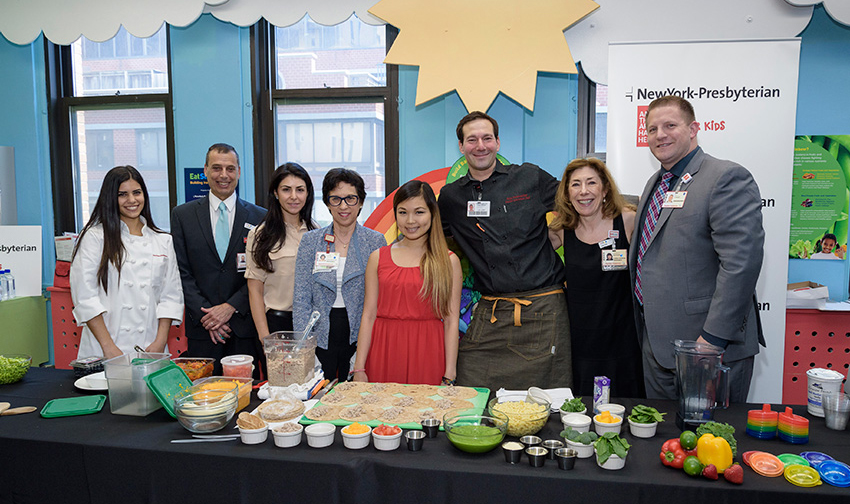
[128, 392]
[206, 411]
[387, 443]
[320, 435]
[642, 430]
[254, 436]
[578, 422]
[287, 439]
[195, 367]
[602, 427]
[615, 409]
[582, 450]
[241, 366]
[356, 441]
[289, 359]
[87, 365]
[227, 383]
[763, 423]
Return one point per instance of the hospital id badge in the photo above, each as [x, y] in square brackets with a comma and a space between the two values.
[674, 199]
[615, 259]
[241, 261]
[325, 261]
[478, 209]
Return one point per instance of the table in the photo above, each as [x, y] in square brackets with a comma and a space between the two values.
[111, 458]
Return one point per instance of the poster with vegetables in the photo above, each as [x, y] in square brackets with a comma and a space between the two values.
[819, 197]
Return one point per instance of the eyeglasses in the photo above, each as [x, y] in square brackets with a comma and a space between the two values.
[349, 200]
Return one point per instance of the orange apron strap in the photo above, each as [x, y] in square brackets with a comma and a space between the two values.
[518, 304]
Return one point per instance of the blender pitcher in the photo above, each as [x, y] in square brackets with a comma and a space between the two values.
[702, 382]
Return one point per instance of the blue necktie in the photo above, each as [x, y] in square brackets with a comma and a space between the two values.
[222, 231]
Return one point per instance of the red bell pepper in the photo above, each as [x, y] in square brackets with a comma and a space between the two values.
[673, 455]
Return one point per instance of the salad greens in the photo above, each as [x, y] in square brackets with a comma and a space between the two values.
[723, 430]
[646, 415]
[610, 444]
[573, 405]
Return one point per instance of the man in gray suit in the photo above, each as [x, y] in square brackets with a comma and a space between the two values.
[696, 254]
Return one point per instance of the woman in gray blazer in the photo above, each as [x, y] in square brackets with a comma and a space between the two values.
[330, 272]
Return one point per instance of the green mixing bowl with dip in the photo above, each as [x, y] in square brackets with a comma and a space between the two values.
[475, 433]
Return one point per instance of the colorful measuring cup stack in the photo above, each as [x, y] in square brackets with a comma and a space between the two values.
[762, 424]
[793, 428]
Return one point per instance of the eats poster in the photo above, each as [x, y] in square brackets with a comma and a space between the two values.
[819, 197]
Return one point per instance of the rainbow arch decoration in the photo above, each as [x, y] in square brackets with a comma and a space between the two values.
[382, 219]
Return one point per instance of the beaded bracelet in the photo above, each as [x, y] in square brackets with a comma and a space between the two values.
[354, 371]
[450, 383]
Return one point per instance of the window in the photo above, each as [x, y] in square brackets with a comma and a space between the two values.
[329, 106]
[592, 118]
[114, 104]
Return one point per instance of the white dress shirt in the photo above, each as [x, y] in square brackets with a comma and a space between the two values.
[230, 203]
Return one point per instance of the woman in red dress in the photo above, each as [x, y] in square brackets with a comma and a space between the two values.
[409, 328]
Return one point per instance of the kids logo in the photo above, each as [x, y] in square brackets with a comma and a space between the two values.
[641, 126]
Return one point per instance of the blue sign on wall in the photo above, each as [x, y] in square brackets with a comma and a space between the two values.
[196, 184]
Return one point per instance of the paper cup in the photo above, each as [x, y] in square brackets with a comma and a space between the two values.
[821, 380]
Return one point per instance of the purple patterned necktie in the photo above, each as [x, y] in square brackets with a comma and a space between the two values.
[649, 223]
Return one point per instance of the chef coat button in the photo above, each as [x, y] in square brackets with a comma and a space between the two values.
[129, 284]
[504, 237]
[143, 285]
[125, 329]
[140, 329]
[144, 263]
[143, 307]
[492, 266]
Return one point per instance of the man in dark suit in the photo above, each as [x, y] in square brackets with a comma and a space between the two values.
[209, 238]
[696, 254]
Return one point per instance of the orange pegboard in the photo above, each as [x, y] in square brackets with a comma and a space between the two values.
[813, 338]
[67, 334]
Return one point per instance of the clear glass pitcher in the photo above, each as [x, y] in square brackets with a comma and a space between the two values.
[702, 382]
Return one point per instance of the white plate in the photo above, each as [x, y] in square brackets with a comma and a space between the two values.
[82, 383]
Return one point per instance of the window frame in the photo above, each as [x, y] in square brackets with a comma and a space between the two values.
[61, 100]
[266, 94]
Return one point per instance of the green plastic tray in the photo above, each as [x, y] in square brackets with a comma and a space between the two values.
[167, 384]
[479, 402]
[73, 406]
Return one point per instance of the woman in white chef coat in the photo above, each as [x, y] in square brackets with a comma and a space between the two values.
[125, 283]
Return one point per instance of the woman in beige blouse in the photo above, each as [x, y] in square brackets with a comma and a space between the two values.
[273, 245]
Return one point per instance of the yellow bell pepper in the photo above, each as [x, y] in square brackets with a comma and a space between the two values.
[714, 450]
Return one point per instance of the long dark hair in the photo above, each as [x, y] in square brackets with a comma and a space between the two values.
[435, 265]
[107, 214]
[272, 235]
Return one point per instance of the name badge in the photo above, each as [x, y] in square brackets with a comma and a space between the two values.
[606, 243]
[615, 259]
[674, 199]
[613, 234]
[249, 226]
[241, 261]
[325, 261]
[478, 209]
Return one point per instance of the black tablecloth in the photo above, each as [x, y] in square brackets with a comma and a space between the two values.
[111, 458]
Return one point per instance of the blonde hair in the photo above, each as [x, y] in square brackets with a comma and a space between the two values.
[435, 266]
[612, 206]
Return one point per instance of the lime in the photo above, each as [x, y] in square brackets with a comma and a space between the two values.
[688, 440]
[692, 467]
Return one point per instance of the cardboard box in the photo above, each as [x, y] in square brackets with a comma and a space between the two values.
[807, 295]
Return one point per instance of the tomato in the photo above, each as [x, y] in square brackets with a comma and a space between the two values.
[692, 467]
[688, 440]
